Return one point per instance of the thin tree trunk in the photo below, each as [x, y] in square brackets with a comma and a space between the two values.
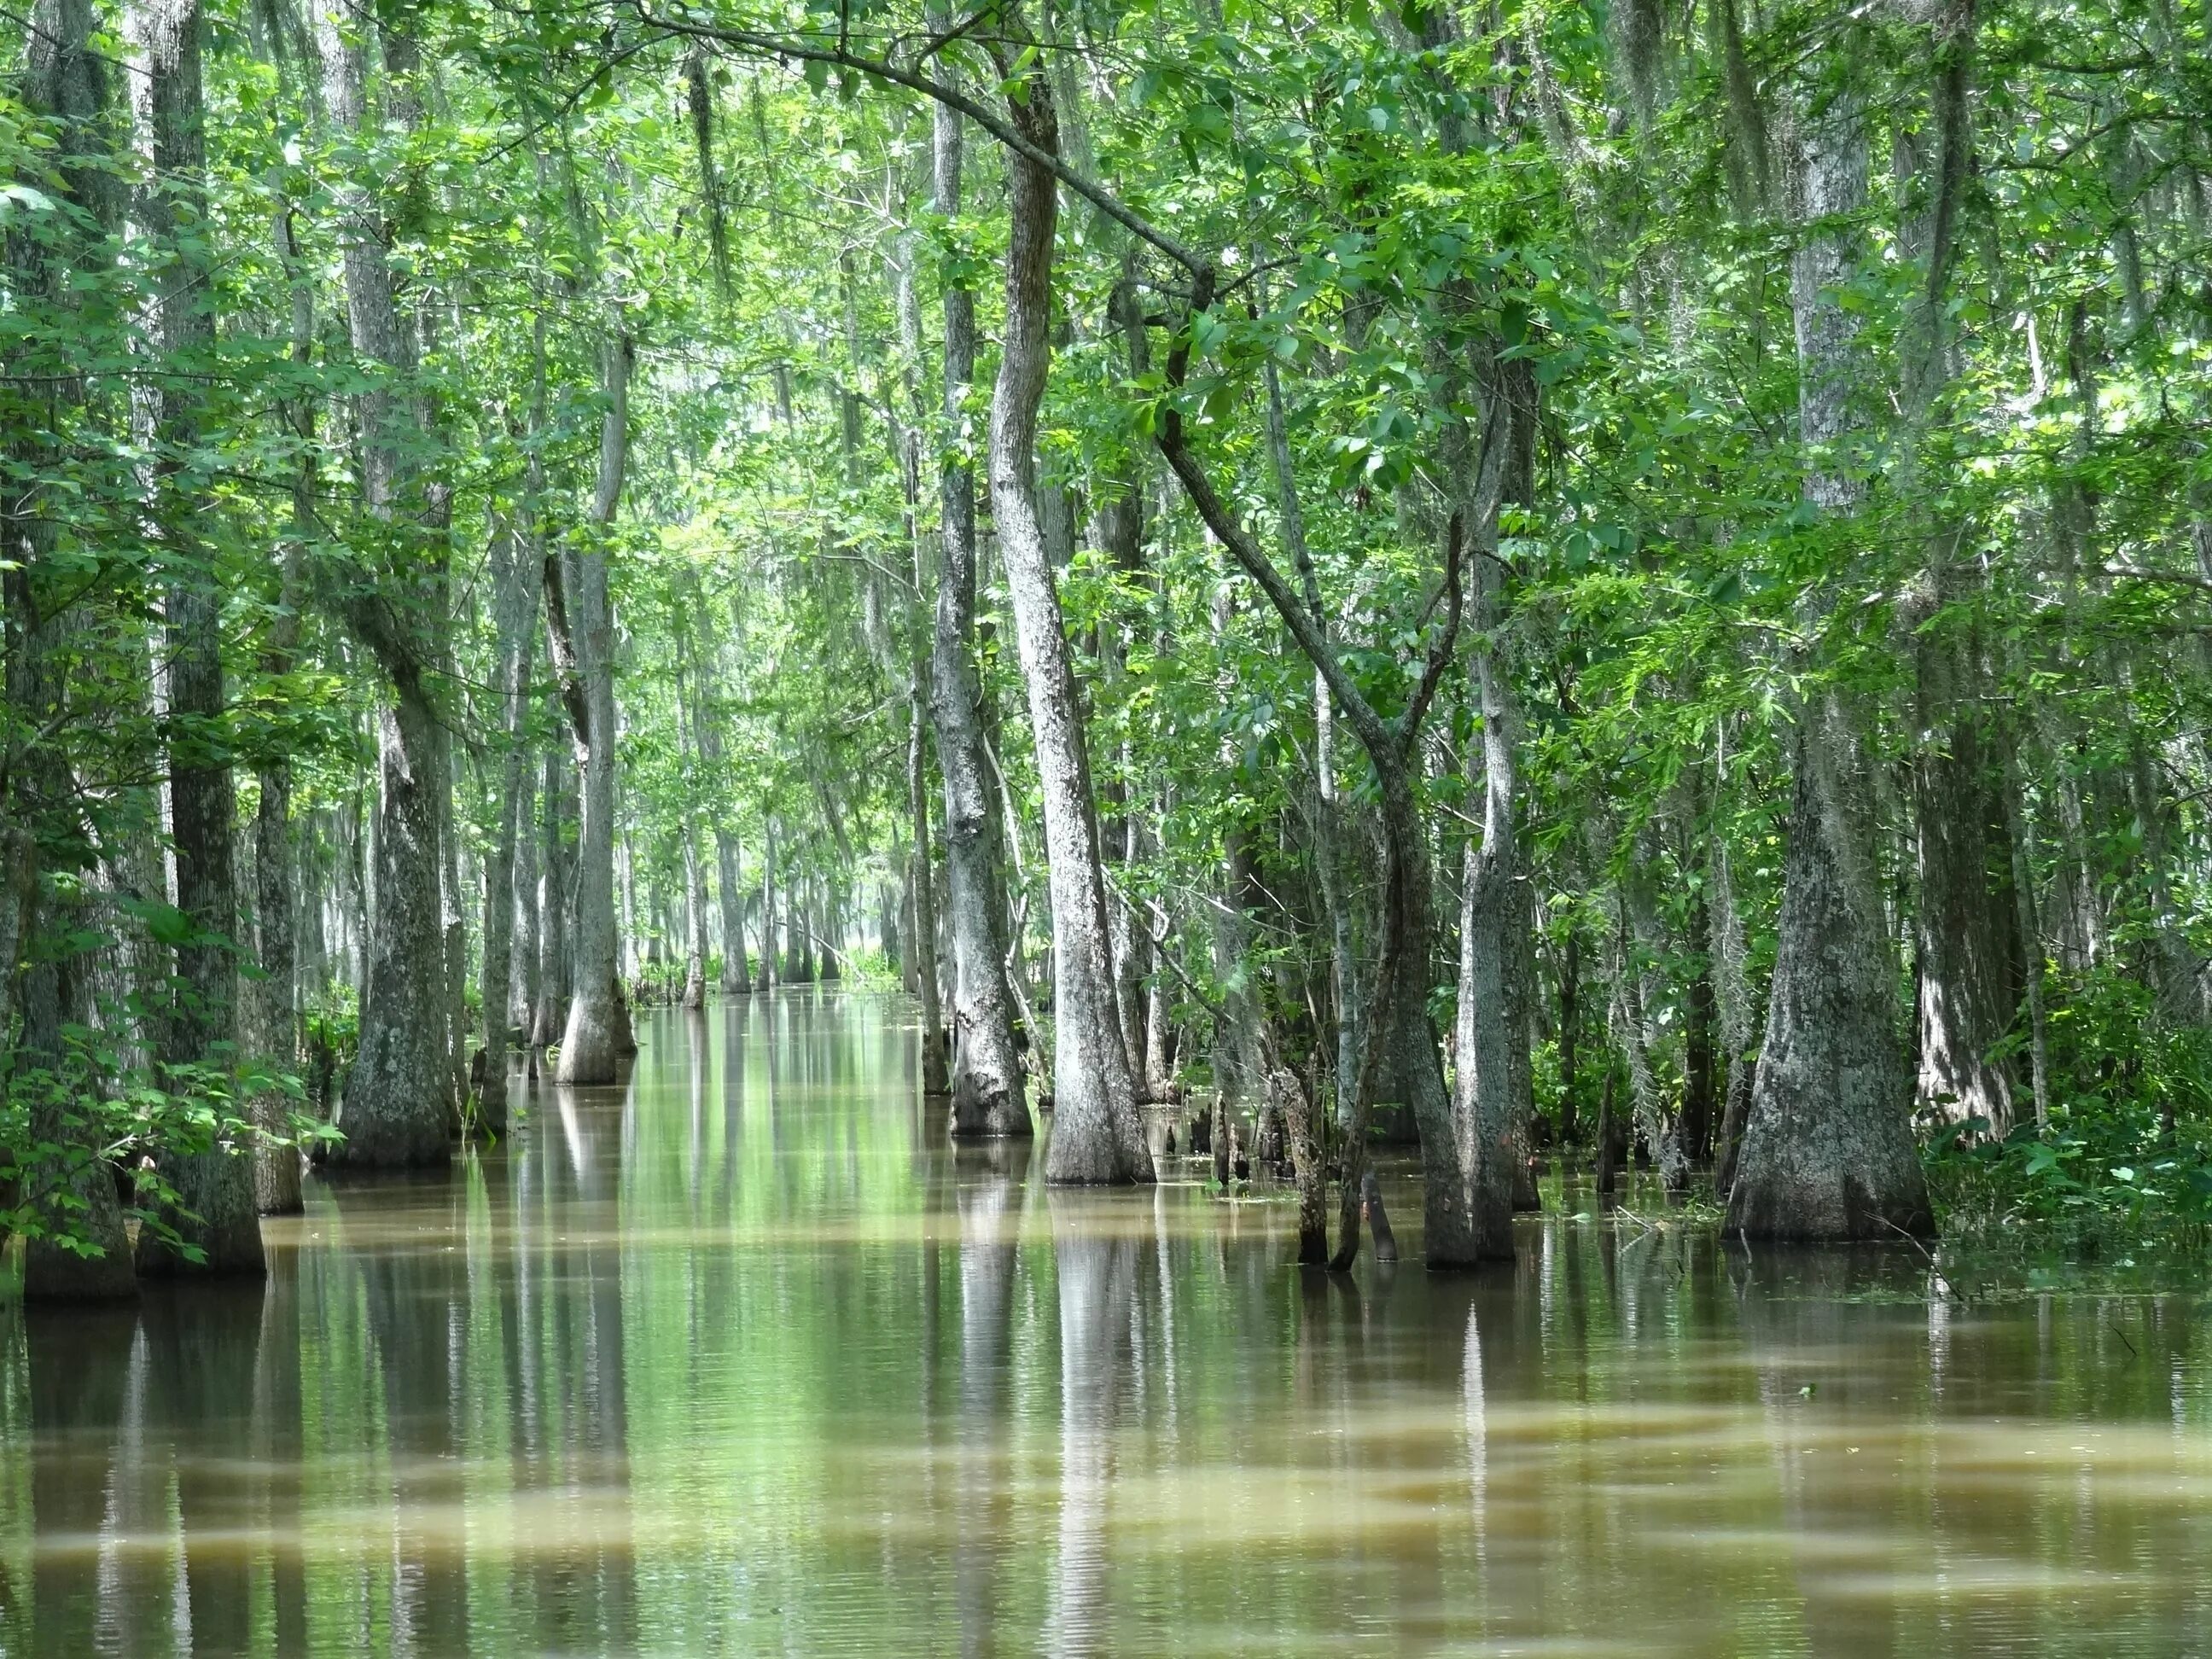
[934, 1078]
[1327, 837]
[988, 1095]
[555, 875]
[591, 1045]
[522, 1009]
[1731, 987]
[1570, 1020]
[275, 998]
[2033, 958]
[695, 867]
[729, 853]
[1097, 1134]
[768, 963]
[515, 601]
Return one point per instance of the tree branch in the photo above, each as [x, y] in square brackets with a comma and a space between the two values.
[839, 55]
[560, 649]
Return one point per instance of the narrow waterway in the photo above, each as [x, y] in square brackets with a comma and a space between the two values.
[741, 1357]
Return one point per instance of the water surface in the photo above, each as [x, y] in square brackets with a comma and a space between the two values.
[739, 1357]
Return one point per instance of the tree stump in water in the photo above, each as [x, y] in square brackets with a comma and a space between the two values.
[1379, 1224]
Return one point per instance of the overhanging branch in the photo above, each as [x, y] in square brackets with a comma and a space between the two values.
[840, 55]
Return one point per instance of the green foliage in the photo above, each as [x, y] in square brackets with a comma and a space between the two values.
[90, 1116]
[2129, 1145]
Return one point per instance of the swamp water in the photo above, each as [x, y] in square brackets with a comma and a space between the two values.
[741, 1357]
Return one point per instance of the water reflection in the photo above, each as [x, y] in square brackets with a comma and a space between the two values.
[741, 1357]
[988, 1180]
[1097, 1267]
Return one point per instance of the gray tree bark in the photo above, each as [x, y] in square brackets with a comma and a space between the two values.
[766, 979]
[1827, 1151]
[1496, 954]
[1964, 920]
[275, 998]
[214, 1213]
[590, 1046]
[522, 981]
[694, 866]
[396, 1108]
[1327, 839]
[554, 881]
[729, 852]
[515, 565]
[1731, 990]
[1098, 1136]
[987, 1093]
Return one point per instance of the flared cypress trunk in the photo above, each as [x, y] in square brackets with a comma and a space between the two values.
[397, 1107]
[1096, 1135]
[1827, 1150]
[395, 1112]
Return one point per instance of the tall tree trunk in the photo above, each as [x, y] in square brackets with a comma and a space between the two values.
[2033, 958]
[275, 998]
[521, 1006]
[1496, 957]
[768, 963]
[1096, 1136]
[65, 81]
[729, 864]
[987, 1094]
[1731, 987]
[515, 564]
[1963, 915]
[555, 876]
[1570, 1021]
[215, 1214]
[694, 896]
[395, 1106]
[1827, 1151]
[694, 866]
[934, 1079]
[729, 854]
[591, 1045]
[1327, 812]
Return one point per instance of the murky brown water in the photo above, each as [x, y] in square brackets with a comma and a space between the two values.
[742, 1359]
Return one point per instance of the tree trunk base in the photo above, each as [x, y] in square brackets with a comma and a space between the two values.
[53, 1274]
